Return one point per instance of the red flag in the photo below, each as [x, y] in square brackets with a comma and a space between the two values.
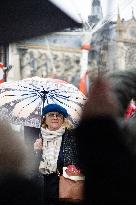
[84, 84]
[84, 78]
[130, 110]
[1, 73]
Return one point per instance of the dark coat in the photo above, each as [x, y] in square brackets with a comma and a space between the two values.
[17, 189]
[108, 163]
[68, 151]
[68, 146]
[68, 155]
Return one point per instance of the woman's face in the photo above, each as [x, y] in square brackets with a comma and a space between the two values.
[54, 120]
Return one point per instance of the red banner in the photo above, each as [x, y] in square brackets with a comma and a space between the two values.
[1, 73]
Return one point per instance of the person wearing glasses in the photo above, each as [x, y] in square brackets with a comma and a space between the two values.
[58, 145]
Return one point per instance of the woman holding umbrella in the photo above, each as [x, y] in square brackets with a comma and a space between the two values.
[58, 145]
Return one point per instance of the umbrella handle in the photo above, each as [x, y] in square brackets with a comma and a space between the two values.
[40, 135]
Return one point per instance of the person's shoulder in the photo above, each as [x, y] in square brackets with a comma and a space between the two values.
[70, 131]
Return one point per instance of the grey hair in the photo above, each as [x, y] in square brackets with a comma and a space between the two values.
[123, 84]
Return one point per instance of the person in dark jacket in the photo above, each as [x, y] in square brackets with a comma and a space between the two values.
[58, 145]
[106, 148]
[16, 167]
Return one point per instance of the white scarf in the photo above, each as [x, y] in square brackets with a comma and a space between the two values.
[51, 147]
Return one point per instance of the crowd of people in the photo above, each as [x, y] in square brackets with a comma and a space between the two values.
[102, 148]
[107, 149]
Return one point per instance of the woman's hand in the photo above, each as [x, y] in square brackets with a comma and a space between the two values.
[38, 144]
[73, 171]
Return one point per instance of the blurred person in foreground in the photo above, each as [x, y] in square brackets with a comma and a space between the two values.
[109, 163]
[59, 150]
[16, 165]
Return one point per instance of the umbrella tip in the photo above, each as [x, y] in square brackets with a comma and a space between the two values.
[44, 92]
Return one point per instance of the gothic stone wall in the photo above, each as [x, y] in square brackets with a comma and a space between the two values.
[57, 64]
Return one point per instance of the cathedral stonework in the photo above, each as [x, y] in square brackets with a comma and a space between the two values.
[62, 65]
[58, 55]
[130, 57]
[114, 46]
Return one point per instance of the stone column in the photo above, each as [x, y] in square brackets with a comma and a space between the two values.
[14, 60]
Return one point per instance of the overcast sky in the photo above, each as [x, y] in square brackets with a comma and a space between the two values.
[82, 8]
[125, 7]
[109, 7]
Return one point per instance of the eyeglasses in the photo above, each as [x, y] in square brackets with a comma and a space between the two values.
[52, 114]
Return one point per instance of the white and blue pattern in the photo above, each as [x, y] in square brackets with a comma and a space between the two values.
[21, 101]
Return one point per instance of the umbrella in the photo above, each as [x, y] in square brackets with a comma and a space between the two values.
[25, 19]
[21, 102]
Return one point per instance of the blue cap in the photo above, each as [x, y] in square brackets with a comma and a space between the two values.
[55, 108]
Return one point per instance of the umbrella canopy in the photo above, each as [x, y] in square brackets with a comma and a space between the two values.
[25, 19]
[21, 102]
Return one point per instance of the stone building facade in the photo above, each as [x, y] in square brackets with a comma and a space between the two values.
[57, 55]
[114, 46]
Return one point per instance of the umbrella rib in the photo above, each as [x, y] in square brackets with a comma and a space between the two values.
[63, 97]
[25, 90]
[34, 88]
[62, 102]
[28, 104]
[44, 92]
[27, 95]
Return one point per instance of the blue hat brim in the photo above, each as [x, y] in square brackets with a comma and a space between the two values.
[55, 108]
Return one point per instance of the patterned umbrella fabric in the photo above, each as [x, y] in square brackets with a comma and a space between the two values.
[21, 102]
